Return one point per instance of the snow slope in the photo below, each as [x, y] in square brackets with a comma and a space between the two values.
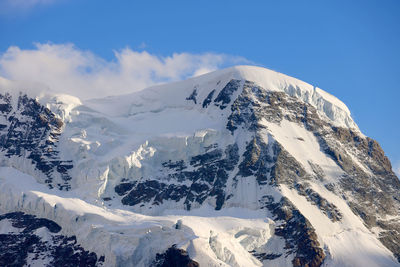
[212, 238]
[155, 137]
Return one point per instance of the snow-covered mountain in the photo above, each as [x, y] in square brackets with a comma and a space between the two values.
[239, 167]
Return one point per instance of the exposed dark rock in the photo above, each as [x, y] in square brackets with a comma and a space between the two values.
[208, 99]
[177, 166]
[148, 190]
[178, 225]
[33, 132]
[224, 97]
[390, 235]
[318, 171]
[368, 185]
[123, 188]
[287, 170]
[264, 256]
[208, 179]
[259, 160]
[30, 222]
[329, 209]
[373, 196]
[301, 239]
[193, 96]
[243, 110]
[373, 155]
[174, 257]
[377, 194]
[59, 251]
[201, 160]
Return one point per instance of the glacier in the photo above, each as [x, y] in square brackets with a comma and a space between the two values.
[243, 166]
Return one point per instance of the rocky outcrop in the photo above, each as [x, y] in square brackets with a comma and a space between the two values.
[373, 188]
[329, 209]
[37, 240]
[300, 237]
[259, 160]
[208, 99]
[207, 177]
[30, 130]
[174, 257]
[224, 97]
[280, 150]
[193, 96]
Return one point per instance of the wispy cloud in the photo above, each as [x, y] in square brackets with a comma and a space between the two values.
[26, 3]
[67, 69]
[12, 7]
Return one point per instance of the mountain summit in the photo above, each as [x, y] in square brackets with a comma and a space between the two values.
[239, 167]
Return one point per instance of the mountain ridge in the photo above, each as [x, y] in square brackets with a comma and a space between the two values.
[275, 147]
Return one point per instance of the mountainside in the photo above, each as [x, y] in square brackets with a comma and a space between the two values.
[239, 167]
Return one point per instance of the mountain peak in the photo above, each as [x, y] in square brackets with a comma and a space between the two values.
[239, 167]
[199, 88]
[271, 80]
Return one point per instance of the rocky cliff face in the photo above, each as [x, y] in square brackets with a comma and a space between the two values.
[28, 130]
[241, 139]
[27, 240]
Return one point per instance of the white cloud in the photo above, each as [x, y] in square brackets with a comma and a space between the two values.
[66, 69]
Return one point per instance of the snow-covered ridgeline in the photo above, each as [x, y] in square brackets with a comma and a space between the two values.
[136, 138]
[172, 95]
[326, 104]
[110, 129]
[60, 104]
[115, 127]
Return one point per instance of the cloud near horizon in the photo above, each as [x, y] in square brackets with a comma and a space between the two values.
[67, 69]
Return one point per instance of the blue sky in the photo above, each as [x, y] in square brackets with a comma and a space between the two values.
[348, 48]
